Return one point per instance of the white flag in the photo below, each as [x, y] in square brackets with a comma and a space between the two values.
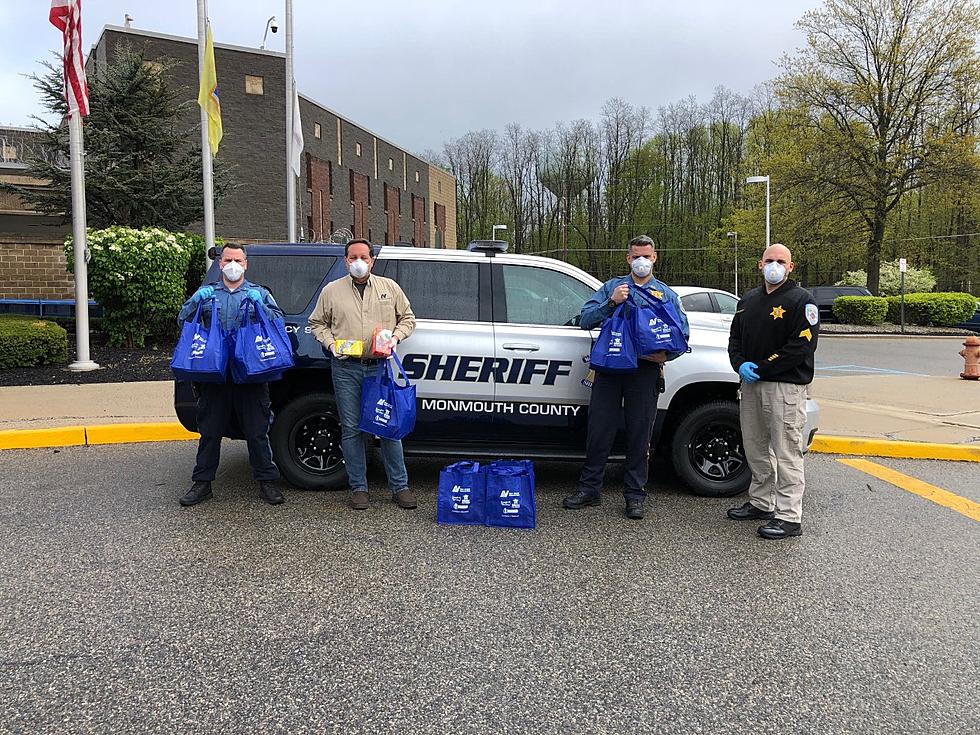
[297, 141]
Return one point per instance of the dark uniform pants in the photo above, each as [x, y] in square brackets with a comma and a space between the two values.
[218, 403]
[633, 396]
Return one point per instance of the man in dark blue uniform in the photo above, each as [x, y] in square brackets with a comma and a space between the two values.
[218, 403]
[632, 396]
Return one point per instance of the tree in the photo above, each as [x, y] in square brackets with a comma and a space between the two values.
[139, 170]
[887, 90]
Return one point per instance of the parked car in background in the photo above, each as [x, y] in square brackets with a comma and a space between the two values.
[824, 297]
[707, 306]
[973, 323]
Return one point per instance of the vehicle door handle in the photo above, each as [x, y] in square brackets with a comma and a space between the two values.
[520, 347]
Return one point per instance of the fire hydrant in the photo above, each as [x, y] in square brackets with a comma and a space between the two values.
[971, 354]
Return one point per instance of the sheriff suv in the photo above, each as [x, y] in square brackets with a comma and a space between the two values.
[500, 364]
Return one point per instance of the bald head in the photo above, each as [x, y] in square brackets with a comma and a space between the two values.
[774, 256]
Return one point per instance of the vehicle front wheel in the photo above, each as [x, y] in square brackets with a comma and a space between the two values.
[707, 451]
[306, 443]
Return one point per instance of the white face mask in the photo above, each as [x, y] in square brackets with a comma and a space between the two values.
[359, 268]
[641, 267]
[233, 271]
[774, 273]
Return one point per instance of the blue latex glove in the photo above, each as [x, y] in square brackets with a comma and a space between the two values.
[747, 372]
[254, 294]
[203, 293]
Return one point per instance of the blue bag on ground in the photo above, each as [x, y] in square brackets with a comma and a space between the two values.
[262, 347]
[510, 494]
[201, 354]
[387, 408]
[462, 494]
[656, 325]
[614, 351]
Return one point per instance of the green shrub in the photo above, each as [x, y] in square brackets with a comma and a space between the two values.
[932, 309]
[26, 342]
[197, 266]
[139, 277]
[861, 309]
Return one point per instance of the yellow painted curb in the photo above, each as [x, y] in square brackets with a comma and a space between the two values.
[131, 433]
[897, 449]
[65, 436]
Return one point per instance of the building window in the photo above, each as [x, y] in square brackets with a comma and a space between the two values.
[399, 201]
[330, 182]
[331, 227]
[416, 177]
[385, 196]
[253, 84]
[439, 185]
[369, 195]
[370, 239]
[316, 130]
[357, 148]
[351, 185]
[391, 164]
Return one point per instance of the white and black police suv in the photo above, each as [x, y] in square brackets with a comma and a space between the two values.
[500, 364]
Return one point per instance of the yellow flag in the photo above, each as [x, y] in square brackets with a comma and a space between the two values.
[207, 97]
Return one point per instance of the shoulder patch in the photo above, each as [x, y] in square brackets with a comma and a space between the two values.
[812, 314]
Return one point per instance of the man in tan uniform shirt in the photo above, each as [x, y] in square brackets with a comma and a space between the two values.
[352, 308]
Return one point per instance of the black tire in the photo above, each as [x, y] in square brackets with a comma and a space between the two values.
[306, 443]
[707, 451]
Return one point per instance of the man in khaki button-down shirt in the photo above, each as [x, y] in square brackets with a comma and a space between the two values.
[352, 308]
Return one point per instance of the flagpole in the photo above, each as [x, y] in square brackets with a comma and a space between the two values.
[290, 91]
[202, 25]
[83, 361]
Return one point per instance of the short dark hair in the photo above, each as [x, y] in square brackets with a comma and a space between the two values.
[359, 241]
[640, 241]
[235, 246]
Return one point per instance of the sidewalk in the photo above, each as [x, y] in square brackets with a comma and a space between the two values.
[906, 408]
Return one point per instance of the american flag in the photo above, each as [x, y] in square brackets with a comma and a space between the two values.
[66, 16]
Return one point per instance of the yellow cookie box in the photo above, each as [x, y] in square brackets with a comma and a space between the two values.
[349, 347]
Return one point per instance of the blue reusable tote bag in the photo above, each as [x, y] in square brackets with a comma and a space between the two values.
[387, 408]
[510, 494]
[201, 354]
[262, 347]
[462, 494]
[656, 325]
[614, 350]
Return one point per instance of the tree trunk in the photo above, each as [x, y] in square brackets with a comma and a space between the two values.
[874, 249]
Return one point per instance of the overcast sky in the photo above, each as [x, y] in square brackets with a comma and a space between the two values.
[422, 72]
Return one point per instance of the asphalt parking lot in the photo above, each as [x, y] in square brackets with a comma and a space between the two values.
[122, 612]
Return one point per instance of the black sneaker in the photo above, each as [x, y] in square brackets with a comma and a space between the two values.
[634, 508]
[269, 492]
[748, 512]
[199, 492]
[581, 499]
[777, 529]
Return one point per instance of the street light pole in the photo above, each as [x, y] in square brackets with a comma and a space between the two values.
[735, 235]
[759, 180]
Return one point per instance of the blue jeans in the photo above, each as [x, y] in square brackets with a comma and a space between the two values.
[348, 376]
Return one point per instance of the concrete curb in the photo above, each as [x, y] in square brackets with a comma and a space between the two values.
[897, 449]
[73, 436]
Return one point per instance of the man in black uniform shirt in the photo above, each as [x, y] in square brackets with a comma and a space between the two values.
[772, 342]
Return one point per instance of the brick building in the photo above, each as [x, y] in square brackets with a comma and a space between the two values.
[351, 178]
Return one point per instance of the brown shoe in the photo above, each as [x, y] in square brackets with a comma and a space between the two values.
[405, 499]
[359, 500]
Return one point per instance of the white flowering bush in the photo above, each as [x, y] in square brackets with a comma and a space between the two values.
[140, 278]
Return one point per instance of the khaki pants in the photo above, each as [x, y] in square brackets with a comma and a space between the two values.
[772, 417]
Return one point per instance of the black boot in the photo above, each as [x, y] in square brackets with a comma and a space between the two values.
[777, 529]
[581, 499]
[748, 512]
[269, 492]
[199, 492]
[634, 508]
